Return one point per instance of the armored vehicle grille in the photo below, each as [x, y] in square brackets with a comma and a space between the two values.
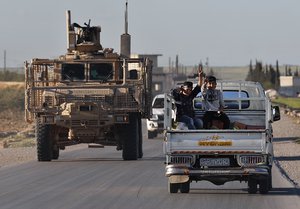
[88, 122]
[72, 98]
[121, 101]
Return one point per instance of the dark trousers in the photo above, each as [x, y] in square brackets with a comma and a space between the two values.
[191, 123]
[209, 116]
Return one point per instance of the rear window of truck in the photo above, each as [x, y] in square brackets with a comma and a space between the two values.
[230, 99]
[231, 102]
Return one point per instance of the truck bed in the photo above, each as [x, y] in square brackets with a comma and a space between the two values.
[215, 141]
[244, 152]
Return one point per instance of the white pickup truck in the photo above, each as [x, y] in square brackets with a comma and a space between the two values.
[242, 153]
[155, 124]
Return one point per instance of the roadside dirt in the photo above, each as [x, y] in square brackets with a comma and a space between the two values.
[13, 120]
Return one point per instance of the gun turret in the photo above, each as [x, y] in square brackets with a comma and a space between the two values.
[83, 38]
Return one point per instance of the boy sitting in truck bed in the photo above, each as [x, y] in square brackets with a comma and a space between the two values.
[213, 104]
[184, 102]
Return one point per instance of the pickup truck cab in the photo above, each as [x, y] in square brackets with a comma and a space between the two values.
[242, 153]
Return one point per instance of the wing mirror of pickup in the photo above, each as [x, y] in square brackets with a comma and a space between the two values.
[276, 113]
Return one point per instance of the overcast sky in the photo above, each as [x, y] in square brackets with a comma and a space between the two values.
[227, 32]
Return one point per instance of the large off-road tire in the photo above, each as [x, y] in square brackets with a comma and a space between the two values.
[55, 152]
[130, 138]
[140, 134]
[44, 142]
[252, 186]
[185, 187]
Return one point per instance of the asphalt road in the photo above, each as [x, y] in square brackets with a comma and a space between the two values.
[99, 178]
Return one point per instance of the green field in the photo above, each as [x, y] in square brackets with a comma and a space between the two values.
[291, 102]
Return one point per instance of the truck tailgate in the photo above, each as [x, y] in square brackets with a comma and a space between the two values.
[215, 141]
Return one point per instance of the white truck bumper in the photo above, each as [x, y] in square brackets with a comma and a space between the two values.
[184, 170]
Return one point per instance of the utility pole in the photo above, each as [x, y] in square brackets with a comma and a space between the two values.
[4, 66]
[176, 64]
[207, 64]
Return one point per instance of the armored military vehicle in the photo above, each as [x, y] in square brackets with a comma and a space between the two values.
[89, 95]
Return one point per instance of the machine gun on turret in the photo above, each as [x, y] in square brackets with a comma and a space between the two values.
[83, 38]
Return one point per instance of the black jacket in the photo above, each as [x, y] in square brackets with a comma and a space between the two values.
[184, 103]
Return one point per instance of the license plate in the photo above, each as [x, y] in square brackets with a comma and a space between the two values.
[214, 162]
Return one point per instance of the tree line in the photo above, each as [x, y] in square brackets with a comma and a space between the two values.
[268, 75]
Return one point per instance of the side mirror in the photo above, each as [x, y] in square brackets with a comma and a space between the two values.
[276, 113]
